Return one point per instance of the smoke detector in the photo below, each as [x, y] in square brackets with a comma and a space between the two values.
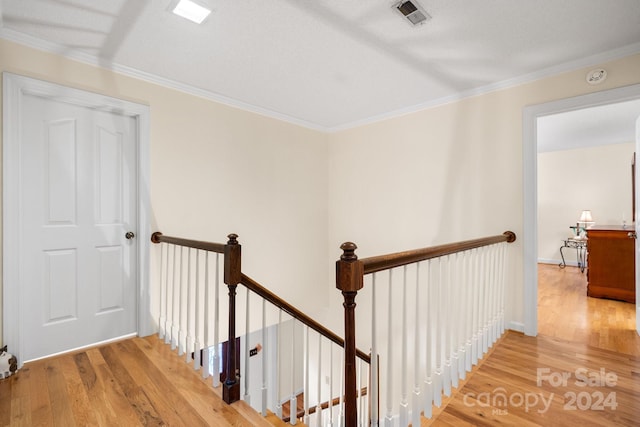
[413, 12]
[596, 76]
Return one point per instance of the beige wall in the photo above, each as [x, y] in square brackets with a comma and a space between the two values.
[446, 173]
[217, 170]
[442, 174]
[596, 178]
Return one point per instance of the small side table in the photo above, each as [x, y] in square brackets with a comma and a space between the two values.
[580, 245]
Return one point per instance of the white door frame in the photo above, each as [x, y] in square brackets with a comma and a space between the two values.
[14, 88]
[530, 181]
[637, 210]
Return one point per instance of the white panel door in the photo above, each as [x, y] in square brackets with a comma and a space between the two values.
[78, 172]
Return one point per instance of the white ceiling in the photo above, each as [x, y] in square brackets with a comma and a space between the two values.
[331, 64]
[589, 127]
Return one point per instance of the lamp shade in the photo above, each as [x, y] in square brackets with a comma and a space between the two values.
[586, 217]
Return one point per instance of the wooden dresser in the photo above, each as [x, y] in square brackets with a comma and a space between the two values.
[611, 263]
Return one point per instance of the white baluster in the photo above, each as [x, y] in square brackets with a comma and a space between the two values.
[293, 402]
[247, 374]
[491, 320]
[456, 314]
[428, 342]
[454, 317]
[341, 418]
[361, 414]
[168, 324]
[445, 306]
[404, 404]
[188, 340]
[330, 423]
[487, 296]
[497, 293]
[181, 310]
[494, 294]
[389, 417]
[176, 302]
[485, 300]
[216, 325]
[206, 371]
[365, 416]
[476, 306]
[279, 364]
[197, 361]
[503, 285]
[266, 350]
[319, 384]
[469, 310]
[374, 355]
[437, 374]
[415, 407]
[161, 319]
[481, 280]
[463, 290]
[305, 403]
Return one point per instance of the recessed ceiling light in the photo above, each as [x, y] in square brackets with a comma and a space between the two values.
[191, 11]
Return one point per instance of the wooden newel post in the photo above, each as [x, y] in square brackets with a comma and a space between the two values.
[232, 276]
[349, 279]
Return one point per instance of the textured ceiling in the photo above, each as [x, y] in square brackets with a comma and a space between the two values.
[332, 64]
[589, 127]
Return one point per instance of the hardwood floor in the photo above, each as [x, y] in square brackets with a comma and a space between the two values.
[590, 342]
[129, 383]
[601, 387]
[565, 311]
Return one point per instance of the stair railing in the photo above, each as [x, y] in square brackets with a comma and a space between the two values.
[179, 319]
[190, 312]
[458, 313]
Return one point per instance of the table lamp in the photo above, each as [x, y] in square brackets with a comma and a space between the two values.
[585, 221]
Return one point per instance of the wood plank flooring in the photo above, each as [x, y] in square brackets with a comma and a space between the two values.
[142, 382]
[579, 385]
[129, 383]
[589, 341]
[565, 311]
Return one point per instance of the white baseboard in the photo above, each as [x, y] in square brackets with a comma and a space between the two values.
[557, 262]
[516, 326]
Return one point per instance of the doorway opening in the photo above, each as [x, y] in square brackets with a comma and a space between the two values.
[531, 116]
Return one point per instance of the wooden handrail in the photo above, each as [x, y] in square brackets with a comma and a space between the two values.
[398, 259]
[232, 251]
[263, 292]
[232, 277]
[350, 273]
[158, 237]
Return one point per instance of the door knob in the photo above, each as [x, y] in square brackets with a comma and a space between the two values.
[130, 235]
[632, 235]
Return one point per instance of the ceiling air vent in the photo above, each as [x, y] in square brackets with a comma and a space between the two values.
[413, 12]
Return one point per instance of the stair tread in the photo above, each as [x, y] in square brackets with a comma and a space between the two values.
[277, 422]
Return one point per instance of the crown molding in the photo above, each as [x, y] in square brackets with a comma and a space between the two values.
[37, 43]
[75, 55]
[589, 61]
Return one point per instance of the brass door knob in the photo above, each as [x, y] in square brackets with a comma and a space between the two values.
[130, 235]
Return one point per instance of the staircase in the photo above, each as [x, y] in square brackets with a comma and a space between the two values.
[441, 311]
